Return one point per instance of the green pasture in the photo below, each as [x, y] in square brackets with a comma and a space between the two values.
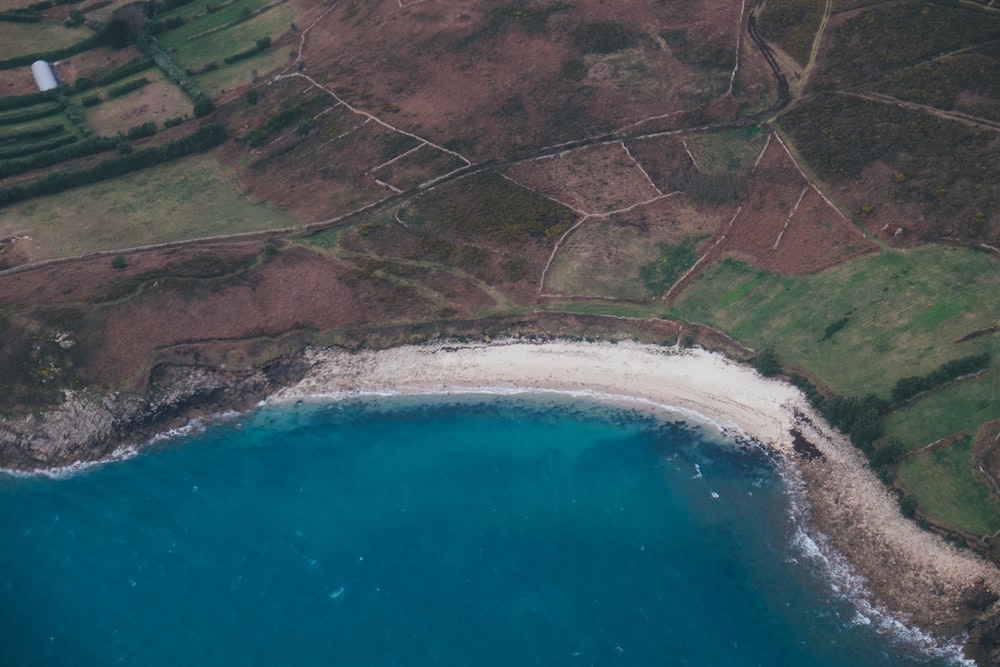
[733, 149]
[227, 77]
[961, 407]
[20, 39]
[946, 487]
[185, 199]
[195, 51]
[198, 20]
[895, 314]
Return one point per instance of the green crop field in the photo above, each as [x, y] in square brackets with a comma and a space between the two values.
[946, 487]
[195, 51]
[962, 407]
[20, 39]
[187, 199]
[896, 314]
[198, 20]
[227, 77]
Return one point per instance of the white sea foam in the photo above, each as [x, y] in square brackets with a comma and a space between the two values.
[850, 586]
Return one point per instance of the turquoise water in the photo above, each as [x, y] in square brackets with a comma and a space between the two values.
[486, 531]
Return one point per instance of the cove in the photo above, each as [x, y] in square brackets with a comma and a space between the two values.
[428, 531]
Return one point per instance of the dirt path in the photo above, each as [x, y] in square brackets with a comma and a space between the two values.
[965, 119]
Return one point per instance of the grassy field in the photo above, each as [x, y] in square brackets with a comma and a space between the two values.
[239, 73]
[156, 101]
[962, 407]
[24, 38]
[194, 52]
[187, 199]
[198, 20]
[946, 487]
[621, 261]
[734, 149]
[902, 312]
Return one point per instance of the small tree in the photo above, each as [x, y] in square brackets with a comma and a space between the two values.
[118, 262]
[252, 96]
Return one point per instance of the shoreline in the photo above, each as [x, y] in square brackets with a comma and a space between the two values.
[900, 576]
[904, 573]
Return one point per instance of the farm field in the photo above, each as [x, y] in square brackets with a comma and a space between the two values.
[240, 73]
[156, 101]
[947, 488]
[192, 47]
[860, 325]
[963, 407]
[20, 39]
[187, 199]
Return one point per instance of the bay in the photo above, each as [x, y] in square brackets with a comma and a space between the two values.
[482, 530]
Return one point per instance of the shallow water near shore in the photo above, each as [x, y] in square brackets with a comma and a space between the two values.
[428, 531]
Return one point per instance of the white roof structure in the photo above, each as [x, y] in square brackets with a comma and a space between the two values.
[45, 78]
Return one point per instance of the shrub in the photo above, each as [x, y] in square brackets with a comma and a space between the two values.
[603, 37]
[252, 96]
[118, 262]
[91, 100]
[766, 363]
[128, 87]
[147, 129]
[256, 138]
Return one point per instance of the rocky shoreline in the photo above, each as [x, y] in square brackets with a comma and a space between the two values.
[907, 573]
[86, 428]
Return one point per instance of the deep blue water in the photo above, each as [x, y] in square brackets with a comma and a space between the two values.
[489, 531]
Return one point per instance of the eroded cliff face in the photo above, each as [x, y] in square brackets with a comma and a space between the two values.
[87, 427]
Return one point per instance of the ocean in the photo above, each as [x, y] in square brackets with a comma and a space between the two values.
[452, 530]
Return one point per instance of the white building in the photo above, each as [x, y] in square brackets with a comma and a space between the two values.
[45, 78]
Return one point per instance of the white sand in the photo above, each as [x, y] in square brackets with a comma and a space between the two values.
[907, 570]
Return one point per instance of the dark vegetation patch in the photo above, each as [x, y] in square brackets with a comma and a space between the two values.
[604, 38]
[673, 261]
[908, 387]
[532, 20]
[491, 206]
[945, 82]
[792, 24]
[888, 37]
[945, 167]
[718, 186]
[706, 54]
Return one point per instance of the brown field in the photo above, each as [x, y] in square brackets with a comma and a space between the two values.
[785, 225]
[156, 101]
[595, 180]
[492, 82]
[602, 257]
[89, 62]
[121, 320]
[411, 169]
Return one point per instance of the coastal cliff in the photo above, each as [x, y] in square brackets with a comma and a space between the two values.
[86, 427]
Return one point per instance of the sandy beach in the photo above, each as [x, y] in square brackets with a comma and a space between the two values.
[905, 572]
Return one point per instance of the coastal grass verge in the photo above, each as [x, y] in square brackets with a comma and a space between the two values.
[186, 199]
